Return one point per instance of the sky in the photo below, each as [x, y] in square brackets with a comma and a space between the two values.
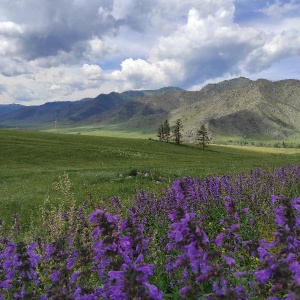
[57, 50]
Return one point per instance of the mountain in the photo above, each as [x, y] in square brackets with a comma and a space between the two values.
[71, 112]
[237, 107]
[249, 108]
[8, 108]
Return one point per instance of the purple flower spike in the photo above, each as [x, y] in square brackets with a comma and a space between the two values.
[262, 253]
[185, 290]
[236, 216]
[295, 268]
[228, 204]
[229, 260]
[154, 292]
[55, 276]
[296, 204]
[263, 276]
[94, 216]
[5, 284]
[246, 210]
[280, 219]
[274, 199]
[219, 239]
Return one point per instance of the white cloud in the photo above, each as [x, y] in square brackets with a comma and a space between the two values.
[207, 47]
[5, 47]
[122, 8]
[274, 49]
[139, 74]
[10, 28]
[9, 33]
[277, 16]
[280, 8]
[91, 71]
[213, 46]
[23, 94]
[55, 87]
[61, 49]
[98, 48]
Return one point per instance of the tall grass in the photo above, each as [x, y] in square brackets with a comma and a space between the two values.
[103, 167]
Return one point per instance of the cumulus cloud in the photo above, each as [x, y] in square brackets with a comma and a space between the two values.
[211, 45]
[23, 94]
[274, 49]
[13, 67]
[100, 49]
[56, 26]
[136, 74]
[91, 71]
[59, 49]
[280, 8]
[208, 47]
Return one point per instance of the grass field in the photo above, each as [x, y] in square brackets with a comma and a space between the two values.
[205, 238]
[103, 130]
[102, 167]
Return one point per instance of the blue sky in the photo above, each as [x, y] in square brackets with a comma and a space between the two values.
[54, 50]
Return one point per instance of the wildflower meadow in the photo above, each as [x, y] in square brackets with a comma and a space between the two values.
[219, 237]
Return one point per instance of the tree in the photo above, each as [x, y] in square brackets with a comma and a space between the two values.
[160, 132]
[177, 132]
[166, 131]
[202, 136]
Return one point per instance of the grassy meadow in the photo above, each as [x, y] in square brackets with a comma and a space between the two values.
[103, 130]
[102, 167]
[161, 221]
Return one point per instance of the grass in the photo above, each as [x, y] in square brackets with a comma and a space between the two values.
[104, 130]
[260, 141]
[38, 165]
[101, 167]
[269, 150]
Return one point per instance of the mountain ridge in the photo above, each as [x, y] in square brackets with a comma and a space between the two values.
[237, 107]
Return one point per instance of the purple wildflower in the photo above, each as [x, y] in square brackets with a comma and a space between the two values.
[154, 292]
[280, 216]
[246, 210]
[228, 204]
[55, 275]
[229, 260]
[264, 275]
[296, 204]
[295, 268]
[6, 284]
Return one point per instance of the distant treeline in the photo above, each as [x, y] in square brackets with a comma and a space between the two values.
[279, 144]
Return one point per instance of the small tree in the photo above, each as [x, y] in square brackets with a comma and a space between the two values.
[166, 131]
[177, 132]
[202, 136]
[160, 132]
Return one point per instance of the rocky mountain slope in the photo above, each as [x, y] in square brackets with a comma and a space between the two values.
[247, 108]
